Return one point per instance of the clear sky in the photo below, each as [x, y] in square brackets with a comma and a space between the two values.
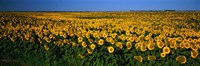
[97, 5]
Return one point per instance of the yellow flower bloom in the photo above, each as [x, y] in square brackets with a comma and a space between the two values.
[80, 39]
[160, 44]
[101, 42]
[173, 44]
[90, 40]
[198, 45]
[105, 34]
[166, 50]
[194, 47]
[131, 39]
[89, 51]
[194, 54]
[181, 45]
[187, 45]
[128, 45]
[113, 35]
[112, 42]
[65, 41]
[74, 44]
[92, 46]
[181, 59]
[127, 32]
[150, 46]
[143, 48]
[179, 39]
[138, 58]
[151, 57]
[110, 49]
[119, 45]
[162, 54]
[46, 47]
[82, 56]
[84, 45]
[87, 35]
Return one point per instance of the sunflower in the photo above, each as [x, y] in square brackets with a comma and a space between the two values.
[187, 45]
[112, 42]
[198, 44]
[87, 35]
[89, 51]
[108, 39]
[143, 48]
[113, 35]
[150, 46]
[179, 39]
[74, 44]
[65, 41]
[181, 59]
[137, 46]
[162, 54]
[194, 47]
[92, 46]
[80, 39]
[166, 50]
[128, 45]
[131, 39]
[123, 38]
[90, 40]
[128, 32]
[84, 45]
[181, 45]
[160, 44]
[105, 34]
[139, 58]
[194, 54]
[119, 45]
[151, 57]
[101, 42]
[172, 45]
[147, 37]
[82, 56]
[46, 47]
[110, 49]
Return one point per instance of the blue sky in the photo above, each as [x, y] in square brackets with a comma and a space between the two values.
[97, 5]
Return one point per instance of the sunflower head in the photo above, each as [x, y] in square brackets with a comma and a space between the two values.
[92, 46]
[181, 45]
[138, 58]
[194, 47]
[151, 57]
[181, 59]
[90, 40]
[128, 45]
[143, 48]
[46, 47]
[150, 46]
[162, 54]
[80, 39]
[112, 42]
[194, 54]
[110, 49]
[166, 50]
[84, 45]
[119, 45]
[89, 51]
[187, 45]
[160, 44]
[101, 41]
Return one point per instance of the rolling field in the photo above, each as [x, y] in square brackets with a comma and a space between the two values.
[100, 38]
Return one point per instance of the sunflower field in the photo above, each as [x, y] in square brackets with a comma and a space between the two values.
[100, 38]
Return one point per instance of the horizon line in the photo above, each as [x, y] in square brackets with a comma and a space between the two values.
[102, 11]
